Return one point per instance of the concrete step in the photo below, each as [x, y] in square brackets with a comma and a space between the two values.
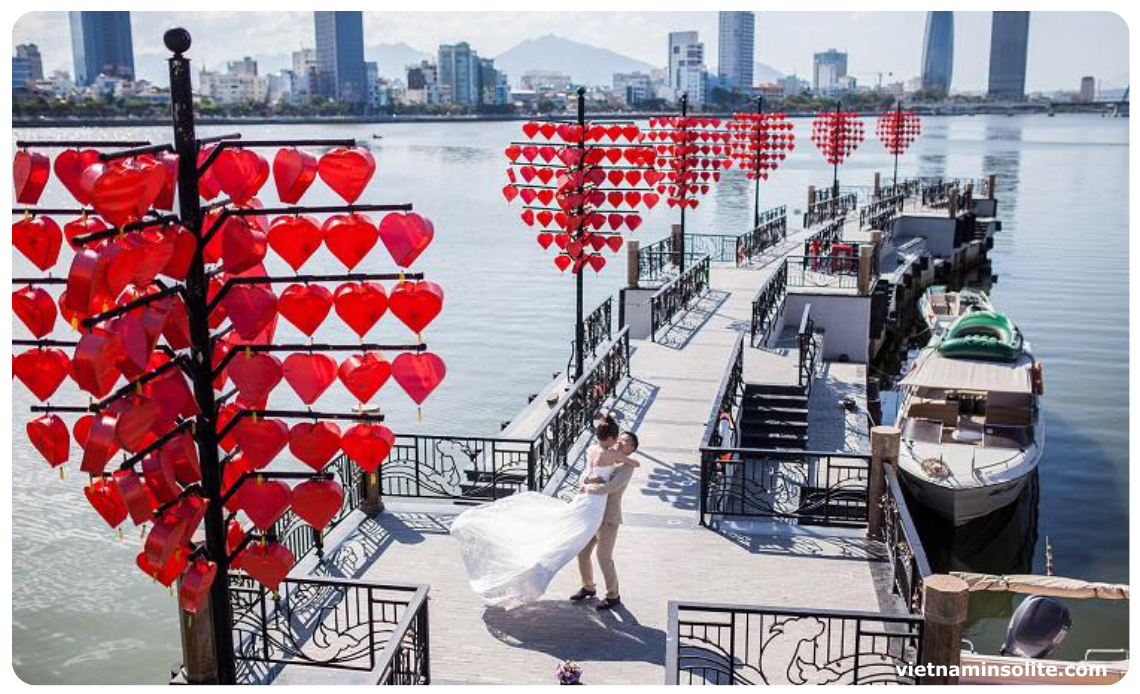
[773, 440]
[772, 389]
[760, 424]
[797, 414]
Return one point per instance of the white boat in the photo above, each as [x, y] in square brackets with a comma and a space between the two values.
[971, 426]
[940, 307]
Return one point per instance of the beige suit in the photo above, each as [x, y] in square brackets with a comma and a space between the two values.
[606, 537]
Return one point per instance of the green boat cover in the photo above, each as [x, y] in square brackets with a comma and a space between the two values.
[985, 335]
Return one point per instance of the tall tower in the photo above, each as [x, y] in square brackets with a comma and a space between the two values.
[101, 45]
[938, 53]
[687, 66]
[736, 51]
[340, 56]
[1009, 47]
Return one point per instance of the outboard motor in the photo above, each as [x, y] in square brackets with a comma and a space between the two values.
[1037, 628]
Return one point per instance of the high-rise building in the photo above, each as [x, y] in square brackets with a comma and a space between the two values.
[1009, 47]
[21, 75]
[493, 87]
[1088, 88]
[736, 50]
[633, 88]
[101, 45]
[423, 83]
[245, 66]
[938, 53]
[340, 56]
[31, 53]
[305, 76]
[687, 73]
[459, 74]
[829, 71]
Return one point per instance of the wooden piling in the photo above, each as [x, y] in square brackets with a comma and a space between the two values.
[632, 266]
[811, 196]
[866, 265]
[945, 602]
[991, 186]
[373, 503]
[877, 184]
[197, 632]
[884, 451]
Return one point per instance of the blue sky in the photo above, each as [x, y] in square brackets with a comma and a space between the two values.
[1063, 46]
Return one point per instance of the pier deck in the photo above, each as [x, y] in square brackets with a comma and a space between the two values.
[663, 553]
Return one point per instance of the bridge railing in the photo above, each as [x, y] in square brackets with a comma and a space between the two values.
[766, 305]
[675, 296]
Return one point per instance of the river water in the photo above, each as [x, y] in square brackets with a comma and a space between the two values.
[83, 613]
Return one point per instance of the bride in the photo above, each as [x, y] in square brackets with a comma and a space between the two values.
[512, 548]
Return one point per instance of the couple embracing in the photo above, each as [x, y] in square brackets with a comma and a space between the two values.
[513, 547]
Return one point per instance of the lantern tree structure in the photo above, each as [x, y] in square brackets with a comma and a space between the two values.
[837, 134]
[897, 130]
[691, 152]
[581, 184]
[760, 143]
[176, 317]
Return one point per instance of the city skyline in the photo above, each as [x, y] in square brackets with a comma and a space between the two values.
[1095, 43]
[938, 52]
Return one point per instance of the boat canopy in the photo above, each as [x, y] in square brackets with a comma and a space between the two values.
[936, 371]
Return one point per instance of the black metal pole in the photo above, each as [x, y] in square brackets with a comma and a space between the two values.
[580, 321]
[205, 433]
[895, 138]
[836, 142]
[683, 174]
[759, 127]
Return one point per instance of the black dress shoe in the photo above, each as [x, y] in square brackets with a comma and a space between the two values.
[582, 594]
[609, 603]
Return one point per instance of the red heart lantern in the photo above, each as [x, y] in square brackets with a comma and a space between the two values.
[360, 305]
[36, 309]
[39, 240]
[195, 585]
[125, 190]
[140, 504]
[103, 495]
[268, 563]
[41, 370]
[30, 172]
[255, 374]
[305, 306]
[93, 367]
[50, 437]
[69, 167]
[367, 445]
[264, 501]
[261, 440]
[406, 236]
[82, 227]
[347, 171]
[166, 573]
[251, 309]
[240, 173]
[136, 417]
[317, 502]
[350, 237]
[416, 304]
[309, 375]
[418, 373]
[295, 239]
[243, 245]
[364, 374]
[159, 477]
[315, 443]
[181, 456]
[169, 163]
[99, 445]
[293, 173]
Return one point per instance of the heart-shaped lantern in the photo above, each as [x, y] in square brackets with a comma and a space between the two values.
[255, 374]
[125, 189]
[268, 563]
[264, 501]
[99, 445]
[305, 306]
[240, 173]
[361, 305]
[165, 573]
[41, 370]
[251, 308]
[406, 236]
[293, 172]
[194, 588]
[169, 163]
[49, 435]
[69, 167]
[36, 309]
[30, 172]
[367, 445]
[261, 439]
[243, 244]
[347, 171]
[418, 373]
[159, 477]
[309, 374]
[181, 455]
[416, 304]
[140, 504]
[295, 239]
[39, 240]
[317, 502]
[314, 444]
[350, 237]
[94, 366]
[103, 495]
[364, 374]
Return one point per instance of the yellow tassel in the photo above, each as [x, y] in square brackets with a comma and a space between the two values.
[419, 338]
[253, 417]
[372, 478]
[170, 588]
[27, 214]
[120, 533]
[75, 323]
[60, 474]
[190, 620]
[401, 276]
[419, 414]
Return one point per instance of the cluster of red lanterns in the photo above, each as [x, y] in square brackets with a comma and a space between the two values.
[837, 134]
[122, 294]
[760, 142]
[692, 151]
[580, 185]
[898, 129]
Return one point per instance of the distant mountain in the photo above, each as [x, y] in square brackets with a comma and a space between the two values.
[584, 64]
[392, 58]
[765, 74]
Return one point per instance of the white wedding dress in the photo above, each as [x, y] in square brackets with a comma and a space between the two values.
[512, 548]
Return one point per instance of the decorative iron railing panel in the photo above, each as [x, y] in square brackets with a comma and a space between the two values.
[810, 345]
[909, 566]
[756, 645]
[669, 300]
[821, 241]
[826, 208]
[598, 330]
[299, 536]
[720, 248]
[728, 400]
[450, 467]
[822, 271]
[767, 304]
[880, 213]
[822, 488]
[937, 193]
[354, 625]
[772, 230]
[908, 187]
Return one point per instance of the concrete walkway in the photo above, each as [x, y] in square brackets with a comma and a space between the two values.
[662, 553]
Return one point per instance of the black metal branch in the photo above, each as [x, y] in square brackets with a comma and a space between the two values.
[218, 138]
[156, 444]
[132, 305]
[136, 151]
[348, 277]
[36, 211]
[39, 280]
[66, 409]
[192, 489]
[249, 537]
[605, 189]
[44, 343]
[159, 220]
[593, 144]
[74, 144]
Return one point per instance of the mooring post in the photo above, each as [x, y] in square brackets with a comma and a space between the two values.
[866, 262]
[952, 203]
[373, 503]
[199, 666]
[945, 602]
[876, 186]
[632, 266]
[884, 451]
[678, 245]
[991, 186]
[811, 196]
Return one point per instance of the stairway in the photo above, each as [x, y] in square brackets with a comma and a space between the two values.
[774, 416]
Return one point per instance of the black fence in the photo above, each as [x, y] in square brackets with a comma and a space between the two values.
[882, 212]
[726, 411]
[909, 566]
[908, 187]
[936, 193]
[720, 248]
[373, 633]
[300, 537]
[755, 645]
[811, 487]
[826, 208]
[766, 305]
[660, 262]
[810, 346]
[822, 271]
[598, 330]
[672, 298]
[772, 230]
[820, 242]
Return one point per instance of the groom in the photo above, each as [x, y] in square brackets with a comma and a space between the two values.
[606, 537]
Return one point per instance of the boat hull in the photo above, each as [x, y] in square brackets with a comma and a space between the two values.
[963, 504]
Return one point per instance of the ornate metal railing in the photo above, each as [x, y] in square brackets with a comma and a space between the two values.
[378, 630]
[880, 213]
[821, 488]
[456, 467]
[909, 566]
[730, 395]
[720, 248]
[766, 305]
[831, 271]
[670, 299]
[659, 262]
[772, 230]
[810, 345]
[907, 187]
[819, 243]
[937, 193]
[598, 329]
[756, 645]
[300, 537]
[826, 208]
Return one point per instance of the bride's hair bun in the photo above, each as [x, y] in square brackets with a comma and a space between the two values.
[606, 429]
